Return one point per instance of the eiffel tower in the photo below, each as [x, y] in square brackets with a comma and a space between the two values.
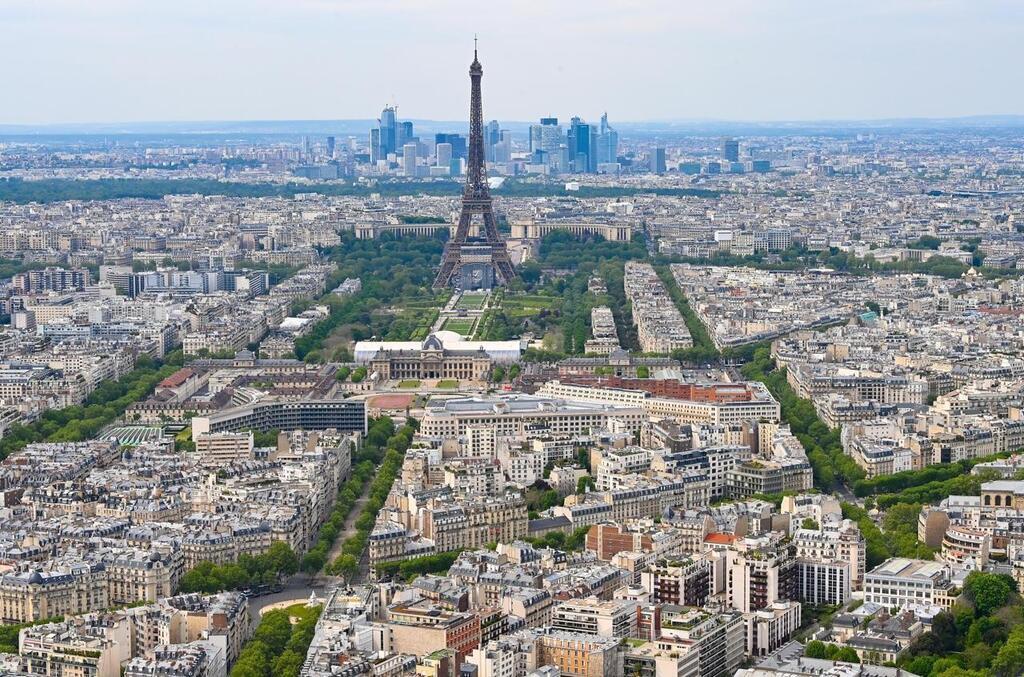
[477, 262]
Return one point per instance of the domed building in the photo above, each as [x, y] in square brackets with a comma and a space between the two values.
[442, 355]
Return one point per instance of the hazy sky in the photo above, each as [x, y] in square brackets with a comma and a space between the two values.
[155, 60]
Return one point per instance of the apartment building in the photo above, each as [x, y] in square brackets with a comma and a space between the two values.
[223, 448]
[720, 637]
[578, 655]
[591, 616]
[681, 581]
[761, 571]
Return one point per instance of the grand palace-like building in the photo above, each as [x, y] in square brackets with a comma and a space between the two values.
[442, 355]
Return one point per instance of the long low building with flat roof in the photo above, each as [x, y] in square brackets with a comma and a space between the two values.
[900, 582]
[342, 415]
[720, 403]
[510, 414]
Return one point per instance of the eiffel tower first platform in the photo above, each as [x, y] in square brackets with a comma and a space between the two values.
[475, 262]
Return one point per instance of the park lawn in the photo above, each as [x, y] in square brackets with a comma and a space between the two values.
[522, 312]
[448, 384]
[460, 325]
[471, 301]
[529, 301]
[300, 611]
[423, 304]
[409, 383]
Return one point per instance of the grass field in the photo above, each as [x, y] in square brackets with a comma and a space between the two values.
[459, 325]
[526, 305]
[410, 383]
[471, 301]
[448, 384]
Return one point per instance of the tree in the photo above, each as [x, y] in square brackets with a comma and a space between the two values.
[957, 671]
[988, 630]
[253, 661]
[815, 649]
[978, 656]
[920, 665]
[313, 561]
[584, 483]
[925, 242]
[283, 559]
[944, 630]
[288, 664]
[987, 592]
[274, 630]
[847, 654]
[1010, 659]
[231, 577]
[346, 565]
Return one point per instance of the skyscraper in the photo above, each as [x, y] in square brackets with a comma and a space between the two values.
[478, 262]
[388, 125]
[535, 138]
[492, 134]
[658, 160]
[457, 141]
[410, 151]
[375, 145]
[405, 133]
[580, 149]
[444, 154]
[503, 149]
[607, 142]
[547, 136]
[330, 147]
[730, 149]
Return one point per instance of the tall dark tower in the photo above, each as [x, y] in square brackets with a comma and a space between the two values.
[477, 262]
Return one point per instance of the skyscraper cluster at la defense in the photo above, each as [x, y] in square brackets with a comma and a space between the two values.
[578, 147]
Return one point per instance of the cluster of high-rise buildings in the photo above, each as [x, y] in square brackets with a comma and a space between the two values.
[578, 147]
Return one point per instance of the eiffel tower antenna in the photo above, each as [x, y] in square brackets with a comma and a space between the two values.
[475, 262]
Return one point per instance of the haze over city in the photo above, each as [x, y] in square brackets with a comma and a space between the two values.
[125, 61]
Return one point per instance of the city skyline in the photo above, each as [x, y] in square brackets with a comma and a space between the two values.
[506, 382]
[322, 60]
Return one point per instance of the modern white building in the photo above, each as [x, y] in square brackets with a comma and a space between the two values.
[900, 582]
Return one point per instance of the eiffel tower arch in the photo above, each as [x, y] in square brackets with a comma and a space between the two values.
[481, 261]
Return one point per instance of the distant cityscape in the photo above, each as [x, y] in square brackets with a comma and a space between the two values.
[570, 400]
[549, 149]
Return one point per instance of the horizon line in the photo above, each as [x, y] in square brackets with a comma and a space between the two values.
[641, 121]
